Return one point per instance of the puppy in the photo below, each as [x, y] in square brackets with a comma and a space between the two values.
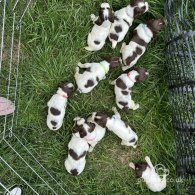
[118, 127]
[94, 72]
[77, 150]
[98, 35]
[123, 88]
[57, 105]
[90, 131]
[142, 35]
[124, 19]
[147, 172]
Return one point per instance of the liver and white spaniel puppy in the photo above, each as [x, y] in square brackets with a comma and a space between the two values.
[89, 130]
[123, 88]
[98, 35]
[147, 172]
[117, 126]
[57, 105]
[142, 35]
[94, 72]
[124, 19]
[77, 150]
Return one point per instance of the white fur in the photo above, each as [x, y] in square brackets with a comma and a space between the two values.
[98, 33]
[153, 181]
[94, 137]
[58, 102]
[118, 127]
[96, 71]
[78, 145]
[120, 97]
[127, 14]
[127, 50]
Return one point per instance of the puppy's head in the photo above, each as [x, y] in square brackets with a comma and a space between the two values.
[100, 118]
[83, 128]
[140, 7]
[156, 25]
[67, 88]
[114, 62]
[106, 13]
[140, 168]
[143, 74]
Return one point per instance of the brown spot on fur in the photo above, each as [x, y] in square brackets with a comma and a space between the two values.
[140, 168]
[120, 83]
[81, 130]
[88, 69]
[54, 111]
[139, 11]
[116, 18]
[125, 92]
[75, 156]
[114, 36]
[97, 79]
[142, 74]
[137, 39]
[138, 51]
[123, 103]
[68, 90]
[118, 29]
[74, 172]
[101, 119]
[113, 61]
[132, 140]
[90, 83]
[97, 42]
[54, 123]
[92, 127]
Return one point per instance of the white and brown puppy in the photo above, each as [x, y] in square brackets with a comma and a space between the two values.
[57, 105]
[124, 19]
[94, 72]
[98, 35]
[118, 127]
[142, 35]
[90, 131]
[123, 88]
[77, 150]
[147, 172]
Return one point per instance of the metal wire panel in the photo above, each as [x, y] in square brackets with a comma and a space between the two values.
[180, 54]
[16, 153]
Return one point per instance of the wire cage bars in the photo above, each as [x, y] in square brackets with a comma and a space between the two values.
[11, 20]
[180, 54]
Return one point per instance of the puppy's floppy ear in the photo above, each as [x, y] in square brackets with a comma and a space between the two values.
[114, 61]
[101, 119]
[111, 16]
[67, 87]
[143, 74]
[92, 126]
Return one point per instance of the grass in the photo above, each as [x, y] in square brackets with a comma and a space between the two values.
[54, 35]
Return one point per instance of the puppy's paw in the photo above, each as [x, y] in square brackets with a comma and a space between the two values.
[92, 16]
[147, 158]
[90, 149]
[136, 107]
[112, 82]
[114, 109]
[131, 164]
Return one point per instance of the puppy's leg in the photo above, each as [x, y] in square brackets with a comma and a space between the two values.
[116, 112]
[132, 165]
[93, 17]
[123, 45]
[86, 65]
[147, 159]
[133, 105]
[114, 43]
[76, 72]
[92, 146]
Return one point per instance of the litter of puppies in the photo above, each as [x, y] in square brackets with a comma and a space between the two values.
[90, 131]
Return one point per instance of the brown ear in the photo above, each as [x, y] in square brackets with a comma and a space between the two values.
[143, 74]
[111, 16]
[101, 119]
[92, 126]
[113, 61]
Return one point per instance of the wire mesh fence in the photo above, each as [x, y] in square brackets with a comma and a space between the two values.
[16, 153]
[180, 53]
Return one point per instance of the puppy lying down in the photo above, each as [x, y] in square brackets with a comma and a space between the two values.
[93, 73]
[142, 35]
[77, 150]
[117, 126]
[124, 18]
[57, 105]
[98, 35]
[147, 172]
[123, 88]
[90, 131]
